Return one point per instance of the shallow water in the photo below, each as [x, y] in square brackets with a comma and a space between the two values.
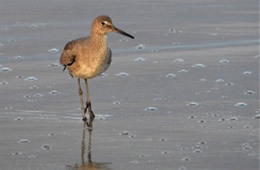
[192, 46]
[183, 95]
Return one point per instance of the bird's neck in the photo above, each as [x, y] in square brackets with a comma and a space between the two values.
[99, 41]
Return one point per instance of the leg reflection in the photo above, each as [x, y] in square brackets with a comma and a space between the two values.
[86, 125]
[89, 164]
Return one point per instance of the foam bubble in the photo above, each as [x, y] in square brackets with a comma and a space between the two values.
[220, 81]
[22, 141]
[176, 43]
[175, 31]
[122, 74]
[163, 139]
[257, 116]
[202, 121]
[12, 40]
[38, 95]
[54, 92]
[18, 118]
[31, 78]
[154, 50]
[54, 65]
[172, 30]
[198, 66]
[186, 159]
[103, 74]
[19, 77]
[46, 147]
[224, 61]
[202, 142]
[183, 71]
[193, 104]
[5, 69]
[140, 47]
[165, 152]
[178, 60]
[240, 104]
[197, 150]
[150, 108]
[257, 56]
[17, 153]
[31, 156]
[182, 168]
[170, 75]
[34, 87]
[124, 133]
[246, 146]
[233, 118]
[123, 40]
[135, 162]
[3, 83]
[157, 99]
[33, 26]
[139, 59]
[116, 102]
[229, 84]
[247, 73]
[18, 57]
[249, 92]
[213, 34]
[53, 50]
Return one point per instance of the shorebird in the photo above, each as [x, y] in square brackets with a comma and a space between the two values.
[88, 57]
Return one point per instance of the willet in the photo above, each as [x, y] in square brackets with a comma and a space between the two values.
[87, 57]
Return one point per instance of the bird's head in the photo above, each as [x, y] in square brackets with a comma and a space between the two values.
[103, 25]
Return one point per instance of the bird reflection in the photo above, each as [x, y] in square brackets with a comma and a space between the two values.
[89, 164]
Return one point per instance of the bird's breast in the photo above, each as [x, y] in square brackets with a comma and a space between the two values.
[93, 64]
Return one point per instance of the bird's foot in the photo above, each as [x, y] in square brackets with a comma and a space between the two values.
[91, 114]
[84, 119]
[88, 122]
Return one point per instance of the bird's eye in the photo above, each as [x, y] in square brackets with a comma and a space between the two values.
[103, 23]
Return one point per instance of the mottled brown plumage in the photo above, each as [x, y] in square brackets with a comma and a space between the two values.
[88, 57]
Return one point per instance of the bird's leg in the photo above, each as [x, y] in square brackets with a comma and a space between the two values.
[81, 102]
[88, 104]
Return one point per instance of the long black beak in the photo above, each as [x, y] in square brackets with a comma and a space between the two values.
[117, 30]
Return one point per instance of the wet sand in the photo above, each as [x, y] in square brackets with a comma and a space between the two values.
[183, 95]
